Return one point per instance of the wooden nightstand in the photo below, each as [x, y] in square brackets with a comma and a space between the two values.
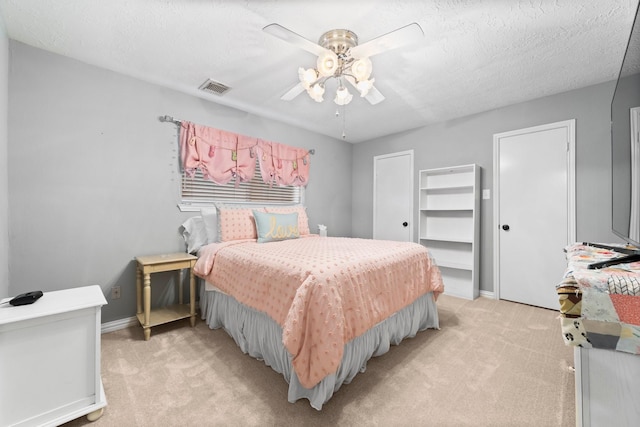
[156, 264]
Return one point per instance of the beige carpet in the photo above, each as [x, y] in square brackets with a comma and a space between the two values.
[492, 363]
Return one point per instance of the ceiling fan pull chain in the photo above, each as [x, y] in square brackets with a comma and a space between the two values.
[344, 135]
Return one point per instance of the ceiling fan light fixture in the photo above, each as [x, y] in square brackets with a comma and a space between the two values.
[365, 86]
[340, 56]
[343, 97]
[342, 92]
[307, 77]
[327, 63]
[343, 101]
[361, 69]
[316, 92]
[336, 62]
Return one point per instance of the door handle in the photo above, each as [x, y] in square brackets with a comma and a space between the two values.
[404, 224]
[505, 227]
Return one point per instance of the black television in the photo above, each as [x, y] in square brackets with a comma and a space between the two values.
[625, 159]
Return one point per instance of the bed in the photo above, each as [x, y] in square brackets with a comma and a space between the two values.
[315, 309]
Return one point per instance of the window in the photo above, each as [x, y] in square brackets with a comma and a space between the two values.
[197, 192]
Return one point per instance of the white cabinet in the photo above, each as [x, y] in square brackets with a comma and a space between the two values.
[50, 359]
[607, 388]
[449, 222]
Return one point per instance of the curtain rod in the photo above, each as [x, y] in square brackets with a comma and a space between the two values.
[170, 119]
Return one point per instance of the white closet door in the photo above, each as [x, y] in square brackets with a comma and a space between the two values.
[393, 196]
[534, 214]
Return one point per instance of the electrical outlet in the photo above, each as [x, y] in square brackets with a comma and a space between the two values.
[115, 292]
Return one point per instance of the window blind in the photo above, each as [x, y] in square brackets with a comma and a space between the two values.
[199, 191]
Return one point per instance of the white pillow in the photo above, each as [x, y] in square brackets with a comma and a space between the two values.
[194, 233]
[210, 219]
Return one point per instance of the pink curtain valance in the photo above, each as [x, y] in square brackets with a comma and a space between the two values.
[223, 156]
[282, 164]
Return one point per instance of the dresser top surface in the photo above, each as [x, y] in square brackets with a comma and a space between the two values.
[53, 302]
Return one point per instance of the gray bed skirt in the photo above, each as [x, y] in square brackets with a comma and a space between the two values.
[260, 337]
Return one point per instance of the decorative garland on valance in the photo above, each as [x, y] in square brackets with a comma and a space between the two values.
[223, 156]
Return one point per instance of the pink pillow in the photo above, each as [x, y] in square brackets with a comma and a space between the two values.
[303, 220]
[236, 223]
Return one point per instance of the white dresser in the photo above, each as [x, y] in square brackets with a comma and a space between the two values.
[50, 359]
[607, 388]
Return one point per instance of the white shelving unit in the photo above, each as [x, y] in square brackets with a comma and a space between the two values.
[449, 225]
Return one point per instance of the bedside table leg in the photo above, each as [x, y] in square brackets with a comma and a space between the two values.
[180, 287]
[138, 290]
[192, 297]
[147, 306]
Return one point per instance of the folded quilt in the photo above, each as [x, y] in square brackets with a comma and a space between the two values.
[600, 308]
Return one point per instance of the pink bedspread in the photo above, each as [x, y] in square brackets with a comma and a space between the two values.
[322, 291]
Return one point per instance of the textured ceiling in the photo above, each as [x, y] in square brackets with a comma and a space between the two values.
[475, 56]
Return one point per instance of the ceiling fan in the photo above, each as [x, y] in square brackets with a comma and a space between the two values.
[341, 57]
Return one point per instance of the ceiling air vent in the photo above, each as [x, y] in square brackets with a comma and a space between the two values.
[214, 87]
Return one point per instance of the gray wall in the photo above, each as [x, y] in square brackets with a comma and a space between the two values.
[470, 140]
[93, 175]
[94, 181]
[4, 174]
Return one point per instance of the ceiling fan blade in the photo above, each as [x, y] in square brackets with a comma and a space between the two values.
[289, 36]
[293, 92]
[374, 96]
[397, 38]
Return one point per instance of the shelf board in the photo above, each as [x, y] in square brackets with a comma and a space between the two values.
[447, 210]
[449, 170]
[456, 265]
[448, 239]
[446, 188]
[159, 316]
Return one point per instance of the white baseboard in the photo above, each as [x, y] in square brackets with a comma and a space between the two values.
[487, 294]
[116, 325]
[119, 324]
